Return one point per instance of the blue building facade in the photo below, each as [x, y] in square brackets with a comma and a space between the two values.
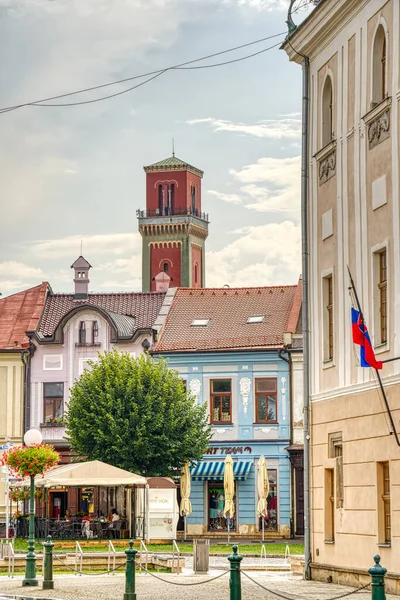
[248, 398]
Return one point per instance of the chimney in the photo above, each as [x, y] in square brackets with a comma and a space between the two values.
[81, 278]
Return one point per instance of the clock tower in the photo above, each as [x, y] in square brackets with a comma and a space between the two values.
[172, 227]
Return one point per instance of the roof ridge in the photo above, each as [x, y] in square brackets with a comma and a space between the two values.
[227, 289]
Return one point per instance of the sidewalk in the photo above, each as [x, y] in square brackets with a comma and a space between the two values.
[111, 587]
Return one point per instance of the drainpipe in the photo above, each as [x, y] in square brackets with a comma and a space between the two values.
[290, 363]
[305, 314]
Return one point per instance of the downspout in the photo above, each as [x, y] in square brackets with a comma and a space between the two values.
[290, 363]
[305, 314]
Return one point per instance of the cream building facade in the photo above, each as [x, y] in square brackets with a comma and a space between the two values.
[353, 204]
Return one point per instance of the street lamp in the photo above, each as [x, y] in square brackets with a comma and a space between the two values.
[31, 438]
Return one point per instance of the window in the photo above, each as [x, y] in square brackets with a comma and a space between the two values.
[165, 267]
[95, 332]
[327, 112]
[327, 293]
[384, 520]
[86, 364]
[379, 66]
[82, 332]
[329, 506]
[52, 362]
[53, 401]
[382, 286]
[256, 319]
[266, 400]
[221, 401]
[195, 273]
[200, 322]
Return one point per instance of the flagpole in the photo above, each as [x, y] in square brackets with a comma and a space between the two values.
[394, 432]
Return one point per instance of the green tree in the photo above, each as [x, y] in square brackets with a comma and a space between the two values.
[136, 414]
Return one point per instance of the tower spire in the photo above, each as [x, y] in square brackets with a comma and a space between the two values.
[173, 147]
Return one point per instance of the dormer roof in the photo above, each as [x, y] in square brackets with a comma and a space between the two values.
[81, 263]
[173, 163]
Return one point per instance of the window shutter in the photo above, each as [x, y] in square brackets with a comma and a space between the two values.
[339, 482]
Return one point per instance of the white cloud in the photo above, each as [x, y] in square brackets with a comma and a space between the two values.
[273, 129]
[110, 243]
[262, 5]
[268, 254]
[231, 198]
[16, 275]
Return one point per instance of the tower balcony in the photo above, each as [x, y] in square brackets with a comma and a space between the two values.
[172, 212]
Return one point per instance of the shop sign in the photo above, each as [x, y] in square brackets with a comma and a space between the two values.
[229, 450]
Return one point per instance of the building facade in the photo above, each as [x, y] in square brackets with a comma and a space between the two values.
[73, 330]
[228, 346]
[353, 51]
[18, 313]
[173, 227]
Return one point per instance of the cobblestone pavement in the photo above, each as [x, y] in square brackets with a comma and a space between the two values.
[111, 587]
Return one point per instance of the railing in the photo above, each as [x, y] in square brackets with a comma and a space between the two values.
[263, 552]
[175, 550]
[287, 555]
[78, 552]
[171, 212]
[9, 553]
[111, 550]
[143, 548]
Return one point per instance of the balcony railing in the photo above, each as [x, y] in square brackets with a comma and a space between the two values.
[171, 212]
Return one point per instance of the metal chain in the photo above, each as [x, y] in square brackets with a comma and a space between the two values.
[192, 583]
[85, 573]
[291, 598]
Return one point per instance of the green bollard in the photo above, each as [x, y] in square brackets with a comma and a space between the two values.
[48, 581]
[130, 573]
[378, 573]
[234, 576]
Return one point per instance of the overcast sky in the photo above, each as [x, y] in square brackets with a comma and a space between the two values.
[76, 173]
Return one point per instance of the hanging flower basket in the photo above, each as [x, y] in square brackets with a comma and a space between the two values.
[30, 461]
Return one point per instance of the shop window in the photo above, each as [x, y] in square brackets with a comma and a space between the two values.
[271, 518]
[53, 401]
[384, 512]
[379, 67]
[221, 401]
[266, 400]
[327, 299]
[216, 503]
[327, 112]
[329, 505]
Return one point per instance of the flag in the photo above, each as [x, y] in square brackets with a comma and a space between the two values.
[361, 337]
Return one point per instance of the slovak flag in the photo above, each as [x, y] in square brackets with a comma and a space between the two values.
[361, 337]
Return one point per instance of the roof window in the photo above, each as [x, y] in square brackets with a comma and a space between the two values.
[256, 319]
[200, 322]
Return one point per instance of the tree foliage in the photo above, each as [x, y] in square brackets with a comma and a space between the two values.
[136, 414]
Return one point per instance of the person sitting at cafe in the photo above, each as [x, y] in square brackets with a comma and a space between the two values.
[86, 526]
[68, 515]
[86, 517]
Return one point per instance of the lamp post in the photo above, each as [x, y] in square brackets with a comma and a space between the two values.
[31, 438]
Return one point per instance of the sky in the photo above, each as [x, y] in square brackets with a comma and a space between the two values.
[72, 175]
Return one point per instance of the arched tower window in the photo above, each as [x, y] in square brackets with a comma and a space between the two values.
[82, 332]
[160, 199]
[196, 274]
[379, 66]
[193, 200]
[172, 198]
[327, 112]
[165, 267]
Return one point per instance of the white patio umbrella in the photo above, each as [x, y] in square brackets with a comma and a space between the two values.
[229, 488]
[263, 490]
[186, 506]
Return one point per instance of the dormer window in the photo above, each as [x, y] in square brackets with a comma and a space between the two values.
[82, 332]
[256, 319]
[95, 331]
[200, 322]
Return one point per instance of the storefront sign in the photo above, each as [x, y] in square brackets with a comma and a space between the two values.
[229, 450]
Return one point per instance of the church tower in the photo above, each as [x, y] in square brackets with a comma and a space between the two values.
[172, 227]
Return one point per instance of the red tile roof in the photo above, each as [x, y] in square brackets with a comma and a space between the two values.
[143, 306]
[19, 313]
[228, 310]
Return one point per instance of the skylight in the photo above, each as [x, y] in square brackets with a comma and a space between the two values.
[200, 322]
[256, 319]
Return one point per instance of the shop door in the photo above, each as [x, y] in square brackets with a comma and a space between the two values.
[299, 502]
[216, 502]
[58, 505]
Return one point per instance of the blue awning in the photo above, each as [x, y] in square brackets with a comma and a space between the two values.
[210, 470]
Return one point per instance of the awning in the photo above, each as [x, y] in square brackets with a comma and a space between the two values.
[210, 470]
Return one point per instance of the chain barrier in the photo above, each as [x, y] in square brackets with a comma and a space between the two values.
[184, 584]
[291, 598]
[86, 573]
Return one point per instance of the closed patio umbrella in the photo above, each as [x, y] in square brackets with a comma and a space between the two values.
[263, 490]
[186, 506]
[229, 488]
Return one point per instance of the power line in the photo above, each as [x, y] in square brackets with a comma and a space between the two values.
[154, 74]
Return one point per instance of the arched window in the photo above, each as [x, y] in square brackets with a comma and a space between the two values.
[82, 332]
[193, 200]
[327, 112]
[195, 273]
[379, 60]
[172, 198]
[166, 267]
[160, 199]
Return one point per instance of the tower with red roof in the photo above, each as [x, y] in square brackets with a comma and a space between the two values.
[173, 227]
